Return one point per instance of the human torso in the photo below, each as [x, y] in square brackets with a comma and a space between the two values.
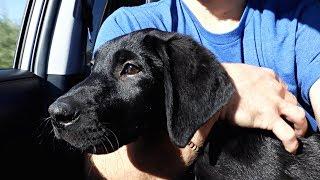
[265, 36]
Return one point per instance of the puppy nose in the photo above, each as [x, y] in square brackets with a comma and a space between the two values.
[62, 113]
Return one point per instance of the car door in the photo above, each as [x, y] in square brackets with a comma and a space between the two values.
[28, 149]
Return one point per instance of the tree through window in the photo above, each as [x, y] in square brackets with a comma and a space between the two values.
[11, 13]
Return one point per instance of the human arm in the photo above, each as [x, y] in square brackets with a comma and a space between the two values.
[307, 54]
[133, 160]
[315, 99]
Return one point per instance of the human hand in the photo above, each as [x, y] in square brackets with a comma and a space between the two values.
[263, 101]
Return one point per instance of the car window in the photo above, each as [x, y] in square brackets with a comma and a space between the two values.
[11, 14]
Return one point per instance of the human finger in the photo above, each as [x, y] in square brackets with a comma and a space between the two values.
[289, 97]
[286, 134]
[297, 116]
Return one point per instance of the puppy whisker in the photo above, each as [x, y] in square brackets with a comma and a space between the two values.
[41, 131]
[51, 132]
[105, 148]
[45, 121]
[94, 149]
[105, 136]
[115, 136]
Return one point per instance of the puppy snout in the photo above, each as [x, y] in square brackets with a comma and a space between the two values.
[63, 113]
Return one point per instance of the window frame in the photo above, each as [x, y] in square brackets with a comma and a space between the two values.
[28, 32]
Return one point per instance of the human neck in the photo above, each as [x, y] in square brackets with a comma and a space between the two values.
[217, 16]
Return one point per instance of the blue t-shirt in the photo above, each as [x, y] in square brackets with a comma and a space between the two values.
[282, 35]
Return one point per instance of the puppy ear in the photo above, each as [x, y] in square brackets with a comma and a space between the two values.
[196, 85]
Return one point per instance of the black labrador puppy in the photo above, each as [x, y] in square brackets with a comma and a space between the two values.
[163, 81]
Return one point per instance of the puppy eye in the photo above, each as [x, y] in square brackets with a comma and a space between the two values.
[130, 69]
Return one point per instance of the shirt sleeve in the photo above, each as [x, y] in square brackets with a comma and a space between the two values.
[308, 49]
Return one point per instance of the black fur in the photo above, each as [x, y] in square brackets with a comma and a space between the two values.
[240, 153]
[176, 86]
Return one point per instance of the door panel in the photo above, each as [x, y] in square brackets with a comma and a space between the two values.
[28, 148]
[27, 145]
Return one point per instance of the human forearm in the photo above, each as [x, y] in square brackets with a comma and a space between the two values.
[315, 100]
[143, 159]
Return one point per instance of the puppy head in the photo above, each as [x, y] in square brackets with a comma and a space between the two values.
[140, 81]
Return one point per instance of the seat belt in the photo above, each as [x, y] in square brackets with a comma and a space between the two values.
[87, 16]
[86, 11]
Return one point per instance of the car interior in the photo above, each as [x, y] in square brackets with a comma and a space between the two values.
[53, 53]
